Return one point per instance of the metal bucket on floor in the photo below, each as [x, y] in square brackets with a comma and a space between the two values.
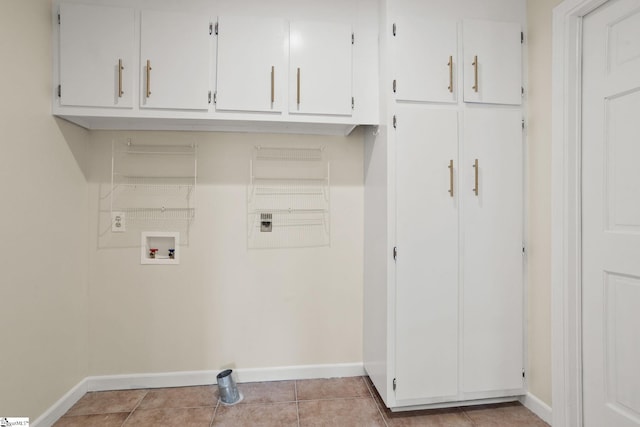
[227, 388]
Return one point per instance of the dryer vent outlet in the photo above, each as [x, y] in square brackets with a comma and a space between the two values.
[227, 388]
[266, 222]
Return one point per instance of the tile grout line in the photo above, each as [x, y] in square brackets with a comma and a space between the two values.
[468, 417]
[375, 402]
[215, 411]
[330, 399]
[146, 392]
[366, 384]
[295, 392]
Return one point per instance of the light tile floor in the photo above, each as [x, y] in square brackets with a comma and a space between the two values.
[325, 402]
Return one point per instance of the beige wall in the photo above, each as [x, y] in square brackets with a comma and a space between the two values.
[223, 306]
[539, 14]
[43, 223]
[226, 305]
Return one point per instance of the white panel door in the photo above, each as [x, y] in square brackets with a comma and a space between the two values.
[427, 262]
[320, 68]
[492, 226]
[425, 59]
[492, 62]
[611, 215]
[175, 60]
[96, 56]
[252, 64]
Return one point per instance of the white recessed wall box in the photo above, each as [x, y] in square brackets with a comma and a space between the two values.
[160, 247]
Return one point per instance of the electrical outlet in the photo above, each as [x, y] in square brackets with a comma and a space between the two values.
[118, 224]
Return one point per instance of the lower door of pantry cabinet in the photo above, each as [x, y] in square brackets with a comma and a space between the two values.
[426, 329]
[491, 189]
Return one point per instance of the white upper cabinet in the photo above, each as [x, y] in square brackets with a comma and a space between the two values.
[492, 62]
[175, 60]
[320, 68]
[96, 56]
[252, 64]
[425, 59]
[155, 65]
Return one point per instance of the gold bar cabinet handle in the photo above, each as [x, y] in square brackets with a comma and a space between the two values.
[450, 64]
[148, 78]
[476, 167]
[120, 68]
[298, 92]
[273, 93]
[475, 72]
[451, 177]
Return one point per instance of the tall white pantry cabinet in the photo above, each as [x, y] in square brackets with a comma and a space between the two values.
[444, 205]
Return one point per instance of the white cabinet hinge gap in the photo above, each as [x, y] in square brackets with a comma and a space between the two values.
[209, 97]
[353, 38]
[395, 253]
[395, 122]
[394, 384]
[394, 86]
[215, 97]
[353, 103]
[393, 29]
[521, 37]
[58, 18]
[210, 28]
[216, 29]
[59, 91]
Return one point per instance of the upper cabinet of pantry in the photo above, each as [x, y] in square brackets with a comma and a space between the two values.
[492, 62]
[425, 52]
[444, 51]
[175, 51]
[97, 60]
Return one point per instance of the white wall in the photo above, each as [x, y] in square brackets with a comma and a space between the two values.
[539, 13]
[43, 223]
[226, 305]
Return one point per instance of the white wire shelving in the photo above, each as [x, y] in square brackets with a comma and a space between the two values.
[154, 185]
[288, 198]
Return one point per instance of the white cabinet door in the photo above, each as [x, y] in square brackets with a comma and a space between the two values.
[425, 52]
[492, 62]
[252, 72]
[175, 60]
[427, 262]
[492, 225]
[96, 56]
[320, 68]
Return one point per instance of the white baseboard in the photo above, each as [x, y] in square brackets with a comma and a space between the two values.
[191, 378]
[537, 406]
[63, 404]
[301, 372]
